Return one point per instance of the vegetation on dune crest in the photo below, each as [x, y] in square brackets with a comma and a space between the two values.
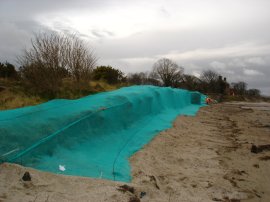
[108, 74]
[51, 59]
[61, 66]
[13, 95]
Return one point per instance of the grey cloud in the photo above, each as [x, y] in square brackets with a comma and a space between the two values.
[15, 37]
[101, 33]
[28, 25]
[164, 12]
[256, 60]
[162, 42]
[219, 47]
[32, 7]
[65, 27]
[252, 72]
[12, 41]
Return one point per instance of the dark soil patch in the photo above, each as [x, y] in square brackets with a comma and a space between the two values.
[265, 158]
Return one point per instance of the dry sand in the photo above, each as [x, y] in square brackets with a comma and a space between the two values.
[202, 158]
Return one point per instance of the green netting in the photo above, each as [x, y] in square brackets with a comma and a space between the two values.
[95, 135]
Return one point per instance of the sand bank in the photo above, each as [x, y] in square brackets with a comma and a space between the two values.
[202, 158]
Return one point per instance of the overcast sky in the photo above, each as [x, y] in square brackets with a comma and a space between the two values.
[229, 36]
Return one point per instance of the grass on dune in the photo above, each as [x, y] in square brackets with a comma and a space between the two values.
[12, 100]
[12, 95]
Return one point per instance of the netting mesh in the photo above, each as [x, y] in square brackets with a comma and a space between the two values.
[95, 135]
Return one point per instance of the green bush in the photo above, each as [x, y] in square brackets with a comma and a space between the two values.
[108, 74]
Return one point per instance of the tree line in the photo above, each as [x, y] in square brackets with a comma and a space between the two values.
[165, 72]
[55, 59]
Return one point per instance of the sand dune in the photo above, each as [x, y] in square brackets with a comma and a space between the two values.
[203, 158]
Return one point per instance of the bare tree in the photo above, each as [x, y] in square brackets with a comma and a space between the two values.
[142, 78]
[52, 57]
[209, 76]
[137, 78]
[240, 87]
[209, 80]
[168, 72]
[80, 61]
[190, 82]
[43, 65]
[254, 92]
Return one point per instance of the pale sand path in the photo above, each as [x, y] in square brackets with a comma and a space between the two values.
[202, 158]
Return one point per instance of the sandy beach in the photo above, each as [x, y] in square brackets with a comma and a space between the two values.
[203, 158]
